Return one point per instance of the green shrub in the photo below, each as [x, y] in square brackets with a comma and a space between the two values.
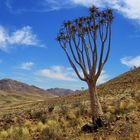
[50, 108]
[64, 109]
[50, 134]
[76, 104]
[71, 116]
[16, 133]
[40, 126]
[111, 109]
[28, 124]
[127, 105]
[40, 116]
[53, 124]
[3, 135]
[74, 123]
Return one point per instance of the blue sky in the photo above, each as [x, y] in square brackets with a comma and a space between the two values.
[30, 53]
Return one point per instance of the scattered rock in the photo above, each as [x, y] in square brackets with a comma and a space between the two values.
[99, 123]
[118, 117]
[89, 128]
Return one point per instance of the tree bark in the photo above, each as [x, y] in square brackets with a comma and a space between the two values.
[96, 107]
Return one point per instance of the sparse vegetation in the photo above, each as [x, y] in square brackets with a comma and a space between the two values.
[35, 122]
[65, 121]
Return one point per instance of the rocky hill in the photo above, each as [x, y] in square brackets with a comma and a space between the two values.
[124, 83]
[60, 91]
[22, 89]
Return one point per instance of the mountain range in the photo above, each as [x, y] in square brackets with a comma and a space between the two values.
[60, 91]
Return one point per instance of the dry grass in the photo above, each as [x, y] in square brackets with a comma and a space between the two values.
[120, 100]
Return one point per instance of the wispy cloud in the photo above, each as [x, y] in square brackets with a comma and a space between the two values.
[58, 73]
[23, 36]
[88, 3]
[131, 61]
[38, 6]
[66, 74]
[129, 8]
[27, 65]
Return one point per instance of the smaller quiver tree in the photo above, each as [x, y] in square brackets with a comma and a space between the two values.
[86, 42]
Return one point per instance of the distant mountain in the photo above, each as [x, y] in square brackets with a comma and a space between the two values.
[22, 89]
[60, 91]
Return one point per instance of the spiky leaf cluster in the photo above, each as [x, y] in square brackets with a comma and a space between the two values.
[84, 25]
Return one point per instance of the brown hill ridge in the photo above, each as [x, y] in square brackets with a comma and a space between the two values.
[124, 84]
[60, 91]
[19, 88]
[10, 85]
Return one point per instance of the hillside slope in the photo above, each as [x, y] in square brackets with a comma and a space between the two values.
[127, 82]
[120, 100]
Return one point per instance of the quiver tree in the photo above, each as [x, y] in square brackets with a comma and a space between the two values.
[86, 42]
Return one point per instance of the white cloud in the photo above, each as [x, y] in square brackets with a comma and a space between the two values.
[67, 74]
[23, 36]
[131, 62]
[88, 3]
[3, 38]
[58, 73]
[129, 8]
[37, 6]
[26, 65]
[103, 78]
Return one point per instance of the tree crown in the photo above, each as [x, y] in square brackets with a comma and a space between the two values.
[82, 36]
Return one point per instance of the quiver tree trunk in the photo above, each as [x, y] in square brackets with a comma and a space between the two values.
[96, 107]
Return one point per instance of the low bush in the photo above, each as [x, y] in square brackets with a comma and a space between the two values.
[50, 134]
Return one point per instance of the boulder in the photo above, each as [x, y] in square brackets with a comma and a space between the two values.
[89, 128]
